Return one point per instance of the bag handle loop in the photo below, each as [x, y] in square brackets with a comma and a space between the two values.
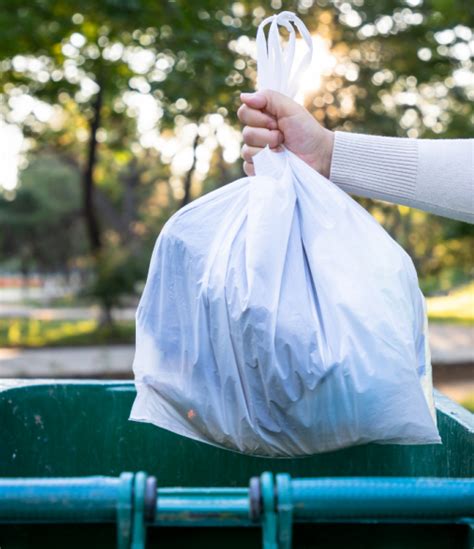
[274, 63]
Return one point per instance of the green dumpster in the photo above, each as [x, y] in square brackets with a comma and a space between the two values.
[65, 445]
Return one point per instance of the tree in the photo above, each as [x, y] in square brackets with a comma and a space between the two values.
[84, 65]
[41, 228]
[91, 58]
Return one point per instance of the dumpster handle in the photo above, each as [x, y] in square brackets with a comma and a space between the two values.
[133, 502]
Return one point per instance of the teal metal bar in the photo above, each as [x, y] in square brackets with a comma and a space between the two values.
[106, 499]
[87, 499]
[307, 500]
[202, 507]
[379, 498]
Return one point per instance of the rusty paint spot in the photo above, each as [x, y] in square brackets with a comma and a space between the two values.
[191, 414]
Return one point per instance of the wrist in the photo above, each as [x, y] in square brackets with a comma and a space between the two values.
[324, 153]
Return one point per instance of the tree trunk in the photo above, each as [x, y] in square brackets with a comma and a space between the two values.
[25, 272]
[129, 204]
[189, 175]
[90, 216]
[106, 319]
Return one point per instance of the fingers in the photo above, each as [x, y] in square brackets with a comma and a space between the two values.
[248, 153]
[249, 168]
[261, 128]
[272, 102]
[256, 118]
[261, 137]
[254, 100]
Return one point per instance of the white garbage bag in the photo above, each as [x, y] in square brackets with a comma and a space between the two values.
[278, 317]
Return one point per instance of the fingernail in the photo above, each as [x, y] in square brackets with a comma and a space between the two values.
[247, 95]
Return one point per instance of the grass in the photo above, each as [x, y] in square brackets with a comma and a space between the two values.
[66, 301]
[468, 402]
[33, 333]
[455, 307]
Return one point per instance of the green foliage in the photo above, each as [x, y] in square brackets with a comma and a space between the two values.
[40, 226]
[115, 275]
[396, 73]
[142, 47]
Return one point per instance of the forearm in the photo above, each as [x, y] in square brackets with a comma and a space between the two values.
[433, 175]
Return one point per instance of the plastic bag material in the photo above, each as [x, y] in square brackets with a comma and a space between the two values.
[278, 317]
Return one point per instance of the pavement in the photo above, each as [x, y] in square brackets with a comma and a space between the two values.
[113, 361]
[8, 310]
[451, 343]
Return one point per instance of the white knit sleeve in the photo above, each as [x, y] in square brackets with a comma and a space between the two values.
[435, 175]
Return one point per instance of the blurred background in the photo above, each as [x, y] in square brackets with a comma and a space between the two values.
[116, 113]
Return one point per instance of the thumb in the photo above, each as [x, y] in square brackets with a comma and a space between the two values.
[273, 102]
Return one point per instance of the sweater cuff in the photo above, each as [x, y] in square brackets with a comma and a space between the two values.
[374, 166]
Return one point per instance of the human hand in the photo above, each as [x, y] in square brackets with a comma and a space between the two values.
[273, 119]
